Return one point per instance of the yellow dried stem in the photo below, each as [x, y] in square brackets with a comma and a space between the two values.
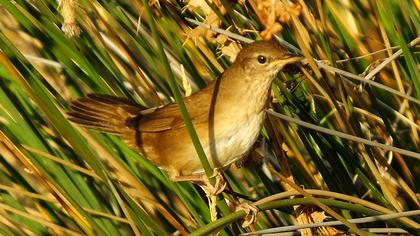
[68, 9]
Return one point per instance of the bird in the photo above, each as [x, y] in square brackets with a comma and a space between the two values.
[227, 115]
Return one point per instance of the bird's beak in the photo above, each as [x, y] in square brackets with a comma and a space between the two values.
[293, 57]
[288, 60]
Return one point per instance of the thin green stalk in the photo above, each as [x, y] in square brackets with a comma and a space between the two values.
[224, 221]
[177, 95]
[181, 105]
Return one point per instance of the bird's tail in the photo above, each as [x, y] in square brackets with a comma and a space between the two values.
[107, 113]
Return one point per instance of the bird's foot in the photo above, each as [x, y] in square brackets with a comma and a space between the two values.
[251, 213]
[217, 188]
[204, 182]
[210, 190]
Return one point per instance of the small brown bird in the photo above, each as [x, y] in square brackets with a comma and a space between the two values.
[227, 116]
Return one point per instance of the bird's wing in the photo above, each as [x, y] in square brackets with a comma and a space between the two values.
[169, 117]
[164, 118]
[109, 114]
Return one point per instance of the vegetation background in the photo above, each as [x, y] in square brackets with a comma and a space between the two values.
[360, 157]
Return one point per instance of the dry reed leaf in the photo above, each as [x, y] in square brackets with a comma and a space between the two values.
[309, 215]
[231, 50]
[274, 12]
[211, 19]
[194, 5]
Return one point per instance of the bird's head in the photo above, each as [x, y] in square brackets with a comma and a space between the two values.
[264, 59]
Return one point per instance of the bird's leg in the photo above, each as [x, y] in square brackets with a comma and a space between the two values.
[210, 190]
[190, 178]
[218, 187]
[204, 182]
[251, 213]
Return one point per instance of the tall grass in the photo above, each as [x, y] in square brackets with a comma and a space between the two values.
[332, 144]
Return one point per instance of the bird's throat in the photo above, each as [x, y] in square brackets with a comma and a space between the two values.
[244, 93]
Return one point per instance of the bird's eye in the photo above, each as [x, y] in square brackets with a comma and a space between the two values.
[262, 59]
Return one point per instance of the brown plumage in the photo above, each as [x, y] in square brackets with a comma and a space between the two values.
[227, 115]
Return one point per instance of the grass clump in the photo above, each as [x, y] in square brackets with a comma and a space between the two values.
[342, 131]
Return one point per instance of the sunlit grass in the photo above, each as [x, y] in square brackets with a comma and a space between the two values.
[59, 179]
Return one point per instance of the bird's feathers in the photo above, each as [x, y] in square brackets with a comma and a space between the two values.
[107, 114]
[128, 119]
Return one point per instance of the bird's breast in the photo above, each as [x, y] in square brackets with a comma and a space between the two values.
[237, 124]
[235, 139]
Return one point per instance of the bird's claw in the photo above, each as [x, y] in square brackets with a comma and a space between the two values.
[251, 213]
[218, 187]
